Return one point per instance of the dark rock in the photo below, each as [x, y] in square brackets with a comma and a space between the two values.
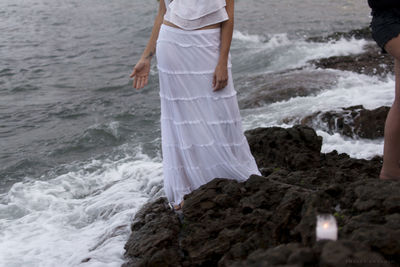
[302, 256]
[301, 145]
[276, 256]
[326, 253]
[280, 86]
[270, 88]
[270, 221]
[344, 253]
[154, 238]
[370, 62]
[355, 122]
[363, 33]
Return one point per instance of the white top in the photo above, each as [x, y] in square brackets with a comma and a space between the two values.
[195, 14]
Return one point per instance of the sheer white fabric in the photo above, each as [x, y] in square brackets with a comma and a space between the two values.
[195, 14]
[202, 136]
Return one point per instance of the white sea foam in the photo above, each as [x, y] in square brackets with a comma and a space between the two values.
[78, 215]
[351, 89]
[355, 148]
[254, 43]
[253, 38]
[282, 53]
[298, 53]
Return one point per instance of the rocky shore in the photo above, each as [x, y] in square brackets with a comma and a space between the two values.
[274, 87]
[355, 122]
[270, 220]
[370, 62]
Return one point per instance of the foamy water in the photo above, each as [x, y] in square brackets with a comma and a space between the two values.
[282, 53]
[78, 215]
[352, 89]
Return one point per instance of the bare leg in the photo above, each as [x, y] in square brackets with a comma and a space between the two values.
[391, 153]
[178, 207]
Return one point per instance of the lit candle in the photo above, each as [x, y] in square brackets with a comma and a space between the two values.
[326, 227]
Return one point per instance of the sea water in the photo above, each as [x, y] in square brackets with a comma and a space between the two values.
[80, 149]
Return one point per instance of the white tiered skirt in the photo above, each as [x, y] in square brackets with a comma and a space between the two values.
[201, 130]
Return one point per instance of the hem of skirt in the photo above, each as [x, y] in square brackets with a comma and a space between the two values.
[175, 202]
[191, 190]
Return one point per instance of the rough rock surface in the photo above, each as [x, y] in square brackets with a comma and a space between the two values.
[270, 88]
[363, 33]
[270, 220]
[353, 121]
[370, 62]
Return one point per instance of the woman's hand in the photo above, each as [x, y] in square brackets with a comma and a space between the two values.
[220, 78]
[141, 73]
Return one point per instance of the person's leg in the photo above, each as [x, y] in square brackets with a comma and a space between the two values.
[391, 154]
[178, 207]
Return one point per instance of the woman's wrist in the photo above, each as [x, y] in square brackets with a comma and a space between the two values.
[223, 62]
[148, 56]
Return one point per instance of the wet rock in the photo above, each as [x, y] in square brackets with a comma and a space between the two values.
[154, 238]
[344, 253]
[325, 253]
[280, 86]
[355, 122]
[363, 33]
[269, 88]
[370, 62]
[301, 144]
[270, 221]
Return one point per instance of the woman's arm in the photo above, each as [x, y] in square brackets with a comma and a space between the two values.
[220, 79]
[142, 69]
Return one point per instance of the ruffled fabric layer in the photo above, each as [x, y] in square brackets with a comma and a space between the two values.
[195, 9]
[195, 14]
[202, 135]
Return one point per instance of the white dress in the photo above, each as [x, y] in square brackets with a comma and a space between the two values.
[195, 14]
[201, 130]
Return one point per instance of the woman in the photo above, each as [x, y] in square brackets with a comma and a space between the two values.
[201, 130]
[385, 27]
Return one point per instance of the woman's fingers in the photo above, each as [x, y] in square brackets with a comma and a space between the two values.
[133, 73]
[220, 84]
[140, 81]
[214, 81]
[140, 74]
[216, 86]
[144, 81]
[139, 84]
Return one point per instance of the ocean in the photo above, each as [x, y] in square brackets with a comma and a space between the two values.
[80, 148]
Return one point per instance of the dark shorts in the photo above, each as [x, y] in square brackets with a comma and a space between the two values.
[385, 26]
